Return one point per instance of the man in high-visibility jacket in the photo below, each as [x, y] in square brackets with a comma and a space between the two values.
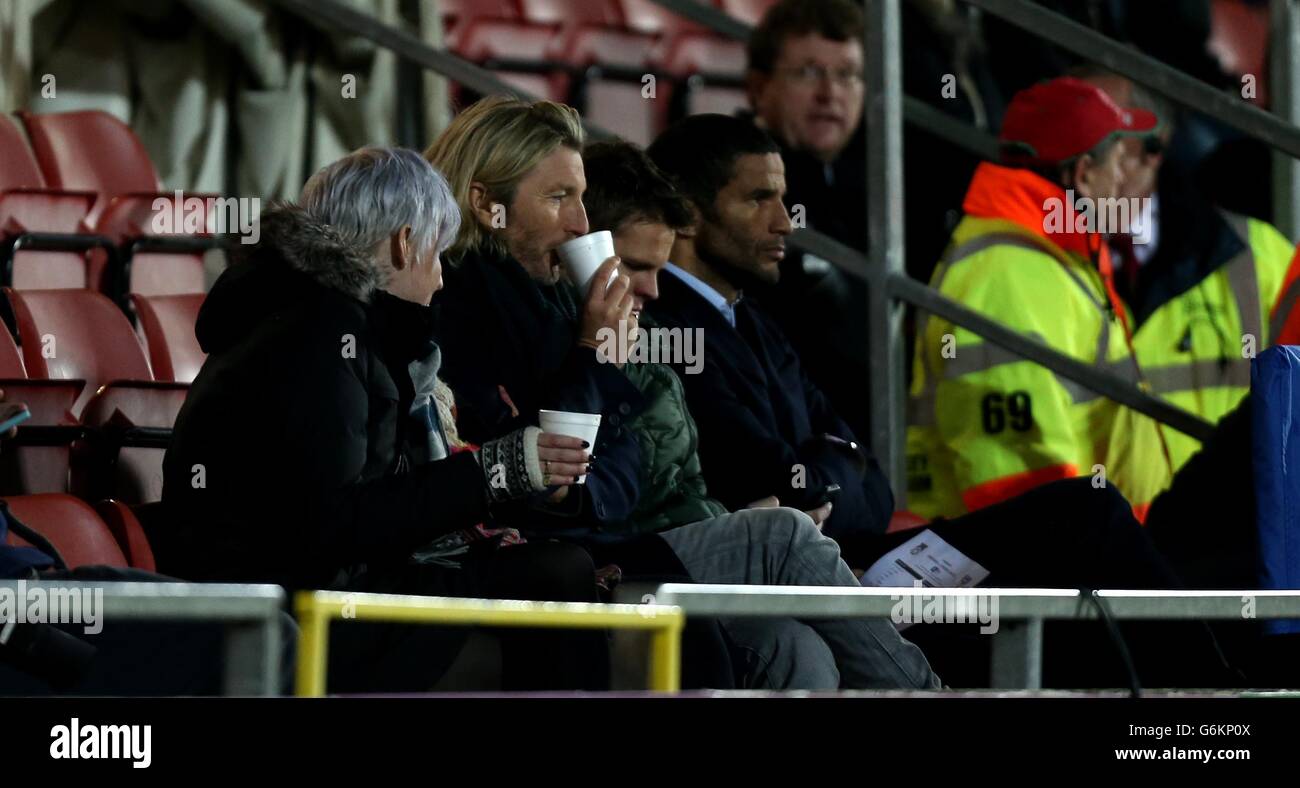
[986, 425]
[1204, 286]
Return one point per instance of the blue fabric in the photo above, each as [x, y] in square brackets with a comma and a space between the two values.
[706, 292]
[17, 562]
[1275, 389]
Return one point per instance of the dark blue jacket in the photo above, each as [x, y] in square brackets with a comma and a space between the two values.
[17, 562]
[761, 419]
[502, 332]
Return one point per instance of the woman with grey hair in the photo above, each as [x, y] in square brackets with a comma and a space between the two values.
[310, 451]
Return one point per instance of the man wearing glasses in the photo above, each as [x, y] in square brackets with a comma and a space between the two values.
[805, 87]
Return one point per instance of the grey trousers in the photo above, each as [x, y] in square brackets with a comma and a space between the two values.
[781, 546]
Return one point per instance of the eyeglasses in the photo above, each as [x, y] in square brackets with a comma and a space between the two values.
[812, 74]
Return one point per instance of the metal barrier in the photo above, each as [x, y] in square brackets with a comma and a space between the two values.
[1017, 650]
[316, 609]
[251, 614]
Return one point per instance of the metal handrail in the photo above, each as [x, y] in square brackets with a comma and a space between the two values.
[1017, 658]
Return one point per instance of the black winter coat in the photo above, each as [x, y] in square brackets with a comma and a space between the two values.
[287, 461]
[762, 420]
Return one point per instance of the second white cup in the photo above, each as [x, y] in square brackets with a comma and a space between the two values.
[573, 424]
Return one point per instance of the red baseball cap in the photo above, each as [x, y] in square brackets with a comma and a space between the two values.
[1055, 121]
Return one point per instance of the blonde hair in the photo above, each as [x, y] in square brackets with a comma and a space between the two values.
[497, 141]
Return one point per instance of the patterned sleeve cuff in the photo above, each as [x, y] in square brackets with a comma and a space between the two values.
[511, 467]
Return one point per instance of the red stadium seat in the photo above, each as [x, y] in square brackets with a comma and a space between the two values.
[647, 16]
[748, 11]
[26, 465]
[168, 326]
[518, 53]
[128, 426]
[18, 167]
[27, 206]
[604, 13]
[456, 12]
[71, 526]
[90, 150]
[128, 532]
[703, 54]
[620, 107]
[482, 40]
[94, 151]
[70, 334]
[11, 363]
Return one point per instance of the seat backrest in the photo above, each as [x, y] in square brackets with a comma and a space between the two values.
[128, 532]
[35, 211]
[133, 474]
[556, 12]
[11, 363]
[90, 150]
[44, 466]
[168, 326]
[72, 527]
[748, 11]
[77, 334]
[457, 11]
[647, 16]
[18, 167]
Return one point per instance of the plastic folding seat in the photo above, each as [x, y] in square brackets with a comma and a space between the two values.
[127, 417]
[647, 16]
[567, 12]
[704, 54]
[71, 526]
[77, 334]
[620, 106]
[519, 53]
[748, 11]
[504, 42]
[127, 429]
[1239, 39]
[34, 217]
[457, 12]
[709, 72]
[589, 33]
[38, 459]
[168, 326]
[92, 150]
[129, 533]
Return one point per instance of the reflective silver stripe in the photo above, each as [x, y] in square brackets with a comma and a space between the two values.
[1197, 375]
[1126, 368]
[1284, 307]
[986, 355]
[1244, 283]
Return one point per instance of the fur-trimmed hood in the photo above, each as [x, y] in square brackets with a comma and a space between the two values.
[318, 250]
[263, 278]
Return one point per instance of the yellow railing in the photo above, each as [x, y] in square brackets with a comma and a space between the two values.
[316, 609]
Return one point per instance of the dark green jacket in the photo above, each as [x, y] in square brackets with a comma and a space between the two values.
[672, 487]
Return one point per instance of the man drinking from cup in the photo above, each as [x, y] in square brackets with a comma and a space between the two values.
[516, 340]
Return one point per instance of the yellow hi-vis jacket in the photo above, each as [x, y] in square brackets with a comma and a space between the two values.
[986, 425]
[1195, 348]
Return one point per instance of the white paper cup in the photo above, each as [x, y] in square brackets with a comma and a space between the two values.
[577, 425]
[583, 255]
